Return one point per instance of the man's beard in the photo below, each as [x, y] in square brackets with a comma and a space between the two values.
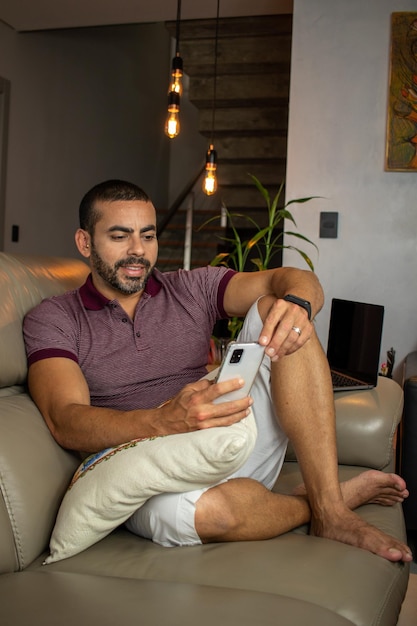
[129, 284]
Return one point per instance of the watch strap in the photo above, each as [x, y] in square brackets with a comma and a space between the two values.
[305, 304]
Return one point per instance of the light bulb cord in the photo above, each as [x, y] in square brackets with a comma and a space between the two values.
[213, 113]
[177, 30]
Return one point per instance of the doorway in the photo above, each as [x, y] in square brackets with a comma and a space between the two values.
[4, 125]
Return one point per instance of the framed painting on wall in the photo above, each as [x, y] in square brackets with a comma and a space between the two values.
[401, 142]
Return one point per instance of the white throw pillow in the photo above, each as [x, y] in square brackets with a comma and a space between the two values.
[110, 486]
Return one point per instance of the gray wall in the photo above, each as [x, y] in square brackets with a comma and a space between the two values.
[85, 105]
[337, 132]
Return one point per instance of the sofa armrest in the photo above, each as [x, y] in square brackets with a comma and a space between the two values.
[366, 423]
[34, 474]
[410, 367]
[408, 440]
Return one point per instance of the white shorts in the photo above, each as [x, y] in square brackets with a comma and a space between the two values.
[168, 519]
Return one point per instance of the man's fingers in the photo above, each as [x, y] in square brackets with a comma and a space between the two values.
[286, 328]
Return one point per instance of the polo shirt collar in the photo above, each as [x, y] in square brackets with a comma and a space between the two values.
[93, 300]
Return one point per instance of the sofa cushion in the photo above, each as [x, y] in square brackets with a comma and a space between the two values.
[109, 600]
[110, 486]
[34, 475]
[24, 282]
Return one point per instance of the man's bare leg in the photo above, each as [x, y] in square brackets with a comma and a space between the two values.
[242, 509]
[303, 398]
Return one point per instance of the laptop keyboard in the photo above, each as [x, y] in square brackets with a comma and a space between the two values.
[339, 380]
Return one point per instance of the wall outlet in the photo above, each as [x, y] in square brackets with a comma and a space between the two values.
[15, 233]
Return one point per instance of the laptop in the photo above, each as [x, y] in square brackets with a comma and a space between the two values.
[354, 344]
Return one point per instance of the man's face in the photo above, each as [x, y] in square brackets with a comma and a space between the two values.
[124, 246]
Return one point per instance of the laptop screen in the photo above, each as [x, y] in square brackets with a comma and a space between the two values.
[354, 341]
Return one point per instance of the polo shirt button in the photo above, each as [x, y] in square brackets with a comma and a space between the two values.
[138, 334]
[124, 320]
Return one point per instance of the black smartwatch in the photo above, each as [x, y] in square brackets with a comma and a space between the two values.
[302, 303]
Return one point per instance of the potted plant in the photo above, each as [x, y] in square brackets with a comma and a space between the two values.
[267, 241]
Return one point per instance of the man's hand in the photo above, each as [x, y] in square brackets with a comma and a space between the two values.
[193, 409]
[286, 327]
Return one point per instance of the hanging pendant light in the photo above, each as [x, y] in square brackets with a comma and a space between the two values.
[172, 124]
[210, 177]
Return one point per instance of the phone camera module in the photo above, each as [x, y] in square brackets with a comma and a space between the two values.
[236, 356]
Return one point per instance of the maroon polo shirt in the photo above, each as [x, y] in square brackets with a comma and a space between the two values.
[137, 363]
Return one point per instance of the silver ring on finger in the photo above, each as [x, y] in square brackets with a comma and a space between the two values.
[297, 329]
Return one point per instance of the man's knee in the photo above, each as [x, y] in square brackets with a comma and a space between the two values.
[214, 518]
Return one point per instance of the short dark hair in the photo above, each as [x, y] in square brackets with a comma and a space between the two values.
[107, 191]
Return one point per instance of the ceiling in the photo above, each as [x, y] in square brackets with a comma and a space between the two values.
[29, 15]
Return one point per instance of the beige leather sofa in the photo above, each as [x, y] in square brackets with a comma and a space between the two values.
[295, 579]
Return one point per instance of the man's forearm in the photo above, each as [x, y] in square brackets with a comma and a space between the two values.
[91, 429]
[245, 288]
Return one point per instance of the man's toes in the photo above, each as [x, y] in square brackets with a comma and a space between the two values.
[397, 554]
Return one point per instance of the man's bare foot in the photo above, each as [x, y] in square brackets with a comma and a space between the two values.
[341, 524]
[370, 487]
[374, 487]
[349, 528]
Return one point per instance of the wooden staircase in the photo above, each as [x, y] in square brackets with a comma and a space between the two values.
[251, 119]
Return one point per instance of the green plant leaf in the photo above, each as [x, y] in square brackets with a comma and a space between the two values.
[258, 263]
[300, 236]
[257, 237]
[283, 214]
[219, 259]
[303, 254]
[267, 241]
[302, 200]
[260, 187]
[234, 325]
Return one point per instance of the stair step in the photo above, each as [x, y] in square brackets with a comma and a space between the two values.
[229, 173]
[248, 197]
[271, 49]
[233, 27]
[242, 133]
[199, 68]
[173, 243]
[172, 227]
[251, 87]
[199, 217]
[251, 118]
[248, 147]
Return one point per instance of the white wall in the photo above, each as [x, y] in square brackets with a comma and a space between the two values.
[338, 108]
[86, 105]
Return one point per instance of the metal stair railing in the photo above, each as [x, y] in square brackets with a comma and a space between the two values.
[178, 202]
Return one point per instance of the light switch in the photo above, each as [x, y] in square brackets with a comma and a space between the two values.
[328, 224]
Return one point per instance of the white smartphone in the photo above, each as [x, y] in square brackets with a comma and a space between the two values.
[242, 360]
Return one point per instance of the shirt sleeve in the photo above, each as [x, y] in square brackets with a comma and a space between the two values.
[205, 287]
[49, 331]
[221, 291]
